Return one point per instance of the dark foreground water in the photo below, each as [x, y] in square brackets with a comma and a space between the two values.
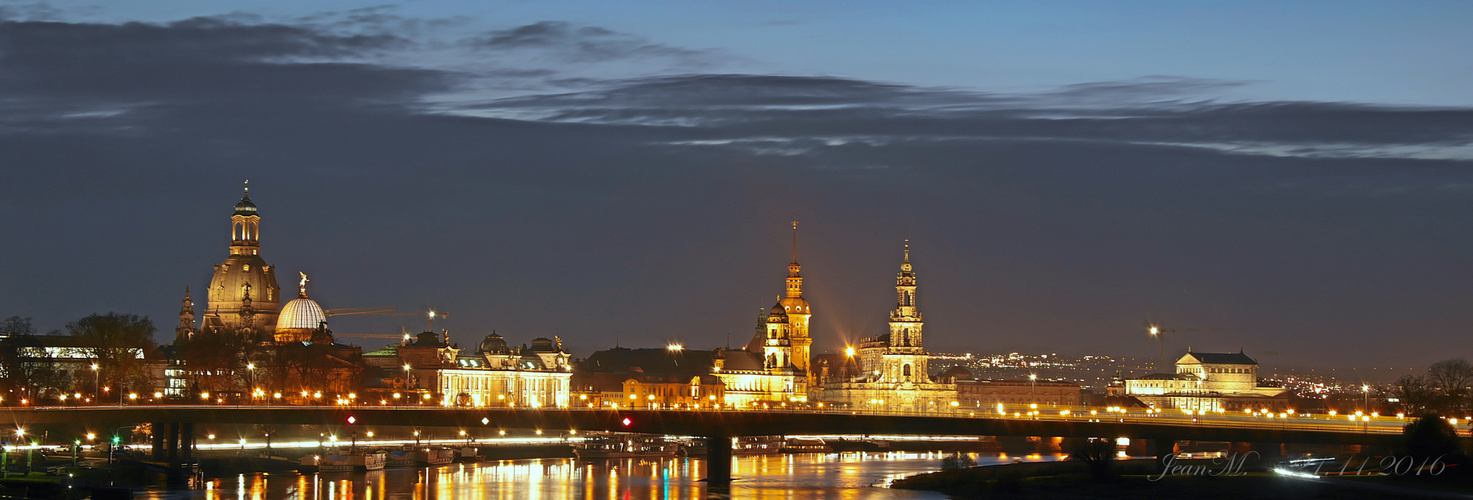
[843, 476]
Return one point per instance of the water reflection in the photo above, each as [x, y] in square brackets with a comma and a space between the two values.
[845, 475]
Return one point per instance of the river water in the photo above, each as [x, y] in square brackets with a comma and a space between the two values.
[843, 475]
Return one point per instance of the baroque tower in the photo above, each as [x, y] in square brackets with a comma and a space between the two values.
[897, 357]
[186, 319]
[798, 312]
[243, 293]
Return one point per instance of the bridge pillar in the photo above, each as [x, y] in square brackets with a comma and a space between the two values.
[718, 461]
[186, 440]
[173, 443]
[158, 441]
[1016, 445]
[1163, 448]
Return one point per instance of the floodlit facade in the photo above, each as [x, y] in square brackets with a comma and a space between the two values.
[892, 371]
[243, 293]
[1210, 382]
[498, 375]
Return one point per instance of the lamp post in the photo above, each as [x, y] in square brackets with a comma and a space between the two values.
[251, 380]
[96, 384]
[1033, 387]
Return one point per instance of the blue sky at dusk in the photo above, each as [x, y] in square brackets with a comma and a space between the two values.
[1296, 176]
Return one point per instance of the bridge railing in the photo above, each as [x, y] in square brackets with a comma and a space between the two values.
[1384, 425]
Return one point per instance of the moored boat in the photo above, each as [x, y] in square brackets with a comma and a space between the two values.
[435, 456]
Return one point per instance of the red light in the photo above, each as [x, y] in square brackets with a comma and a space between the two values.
[627, 421]
[351, 419]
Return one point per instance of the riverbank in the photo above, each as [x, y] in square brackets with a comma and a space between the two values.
[1135, 479]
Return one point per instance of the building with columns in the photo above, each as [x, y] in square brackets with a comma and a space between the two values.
[1205, 381]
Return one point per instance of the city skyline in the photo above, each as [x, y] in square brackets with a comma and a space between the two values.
[542, 173]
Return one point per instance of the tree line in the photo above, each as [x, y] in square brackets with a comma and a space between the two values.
[116, 343]
[122, 348]
[1446, 389]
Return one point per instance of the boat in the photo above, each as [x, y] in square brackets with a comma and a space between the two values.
[796, 445]
[468, 454]
[435, 456]
[757, 445]
[615, 445]
[403, 458]
[345, 463]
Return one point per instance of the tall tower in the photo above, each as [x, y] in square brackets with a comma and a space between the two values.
[905, 360]
[186, 319]
[243, 293]
[798, 312]
[777, 351]
[905, 320]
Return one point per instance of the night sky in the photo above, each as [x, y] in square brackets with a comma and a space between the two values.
[1296, 181]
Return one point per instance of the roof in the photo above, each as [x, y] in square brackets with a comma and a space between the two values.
[653, 360]
[742, 361]
[301, 313]
[1165, 376]
[388, 350]
[1212, 358]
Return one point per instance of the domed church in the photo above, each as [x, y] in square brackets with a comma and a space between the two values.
[301, 318]
[243, 293]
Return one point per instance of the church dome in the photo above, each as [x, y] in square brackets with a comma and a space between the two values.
[245, 207]
[301, 313]
[777, 310]
[544, 344]
[494, 344]
[795, 305]
[300, 317]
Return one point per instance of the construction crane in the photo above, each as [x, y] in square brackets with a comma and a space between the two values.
[1160, 334]
[385, 311]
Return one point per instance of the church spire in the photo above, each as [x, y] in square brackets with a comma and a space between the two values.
[793, 267]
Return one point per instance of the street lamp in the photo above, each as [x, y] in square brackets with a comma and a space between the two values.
[251, 380]
[96, 383]
[1033, 387]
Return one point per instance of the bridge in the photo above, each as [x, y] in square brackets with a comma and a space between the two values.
[718, 428]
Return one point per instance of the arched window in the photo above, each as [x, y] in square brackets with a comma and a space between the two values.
[905, 371]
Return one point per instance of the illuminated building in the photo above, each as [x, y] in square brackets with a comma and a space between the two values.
[655, 391]
[1206, 382]
[494, 374]
[243, 293]
[300, 318]
[893, 367]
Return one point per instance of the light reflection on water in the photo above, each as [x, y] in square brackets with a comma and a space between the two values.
[846, 475]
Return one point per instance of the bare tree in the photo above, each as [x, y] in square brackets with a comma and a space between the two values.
[1453, 380]
[117, 342]
[213, 358]
[1414, 395]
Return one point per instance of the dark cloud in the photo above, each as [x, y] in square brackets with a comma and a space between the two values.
[587, 44]
[744, 109]
[1038, 220]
